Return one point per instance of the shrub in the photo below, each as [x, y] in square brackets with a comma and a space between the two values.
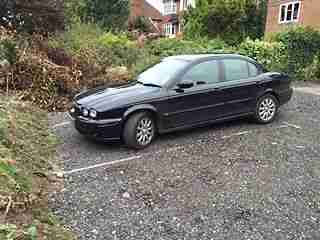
[270, 54]
[312, 72]
[111, 40]
[140, 23]
[33, 15]
[111, 14]
[231, 20]
[78, 37]
[167, 47]
[8, 51]
[302, 45]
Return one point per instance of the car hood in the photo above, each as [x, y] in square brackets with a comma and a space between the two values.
[104, 98]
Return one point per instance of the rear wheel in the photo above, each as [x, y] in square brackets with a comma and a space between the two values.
[139, 130]
[266, 109]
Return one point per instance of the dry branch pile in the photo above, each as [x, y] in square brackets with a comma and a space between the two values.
[50, 77]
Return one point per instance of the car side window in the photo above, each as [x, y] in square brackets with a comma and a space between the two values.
[235, 69]
[204, 73]
[253, 70]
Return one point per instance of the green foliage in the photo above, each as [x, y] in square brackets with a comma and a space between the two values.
[270, 54]
[27, 140]
[8, 50]
[8, 231]
[111, 14]
[302, 46]
[33, 15]
[312, 72]
[140, 23]
[78, 37]
[115, 40]
[231, 20]
[168, 47]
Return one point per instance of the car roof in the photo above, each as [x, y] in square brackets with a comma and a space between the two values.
[199, 57]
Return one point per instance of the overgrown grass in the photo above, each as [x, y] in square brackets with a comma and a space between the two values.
[27, 149]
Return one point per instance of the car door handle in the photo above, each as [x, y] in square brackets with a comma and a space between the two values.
[201, 82]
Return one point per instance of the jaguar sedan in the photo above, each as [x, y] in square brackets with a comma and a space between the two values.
[181, 92]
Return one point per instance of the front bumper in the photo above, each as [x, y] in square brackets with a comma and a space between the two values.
[102, 130]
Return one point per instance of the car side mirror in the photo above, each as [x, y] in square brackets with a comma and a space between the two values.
[185, 84]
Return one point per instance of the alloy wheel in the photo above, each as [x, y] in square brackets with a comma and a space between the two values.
[267, 109]
[145, 131]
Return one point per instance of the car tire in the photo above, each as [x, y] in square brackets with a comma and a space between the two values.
[139, 130]
[266, 109]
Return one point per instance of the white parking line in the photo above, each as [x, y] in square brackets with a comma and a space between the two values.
[97, 166]
[111, 163]
[236, 134]
[61, 124]
[292, 125]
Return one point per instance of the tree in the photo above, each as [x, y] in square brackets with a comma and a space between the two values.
[110, 14]
[231, 20]
[33, 15]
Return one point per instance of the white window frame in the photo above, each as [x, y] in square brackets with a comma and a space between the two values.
[169, 7]
[286, 5]
[170, 29]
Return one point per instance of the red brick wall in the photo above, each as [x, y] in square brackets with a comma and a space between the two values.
[309, 15]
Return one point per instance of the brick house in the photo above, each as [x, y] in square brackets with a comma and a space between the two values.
[172, 12]
[284, 13]
[143, 8]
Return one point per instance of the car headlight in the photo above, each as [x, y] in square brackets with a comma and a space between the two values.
[72, 110]
[93, 113]
[85, 112]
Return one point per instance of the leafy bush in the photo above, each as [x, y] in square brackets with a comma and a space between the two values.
[312, 72]
[231, 20]
[167, 47]
[271, 54]
[78, 37]
[26, 145]
[111, 14]
[33, 15]
[111, 40]
[140, 23]
[8, 51]
[302, 46]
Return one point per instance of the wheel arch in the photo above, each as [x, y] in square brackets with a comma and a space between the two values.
[268, 91]
[141, 108]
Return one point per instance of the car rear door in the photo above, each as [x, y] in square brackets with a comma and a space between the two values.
[200, 103]
[240, 86]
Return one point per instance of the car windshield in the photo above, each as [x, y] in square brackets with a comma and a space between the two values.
[161, 73]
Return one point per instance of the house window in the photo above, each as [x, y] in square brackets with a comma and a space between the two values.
[170, 7]
[289, 12]
[170, 29]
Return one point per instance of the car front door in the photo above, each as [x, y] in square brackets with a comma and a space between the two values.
[199, 103]
[239, 86]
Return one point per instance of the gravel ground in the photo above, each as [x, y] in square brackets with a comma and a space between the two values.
[237, 180]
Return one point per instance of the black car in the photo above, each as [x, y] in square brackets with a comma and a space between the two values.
[181, 92]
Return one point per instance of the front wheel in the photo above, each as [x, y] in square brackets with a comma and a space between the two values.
[266, 109]
[139, 130]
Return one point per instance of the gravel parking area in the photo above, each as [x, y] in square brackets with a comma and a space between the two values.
[236, 180]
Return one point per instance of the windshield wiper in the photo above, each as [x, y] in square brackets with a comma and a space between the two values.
[149, 84]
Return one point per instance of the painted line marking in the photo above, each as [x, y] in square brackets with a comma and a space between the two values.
[237, 134]
[61, 124]
[292, 125]
[168, 150]
[61, 174]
